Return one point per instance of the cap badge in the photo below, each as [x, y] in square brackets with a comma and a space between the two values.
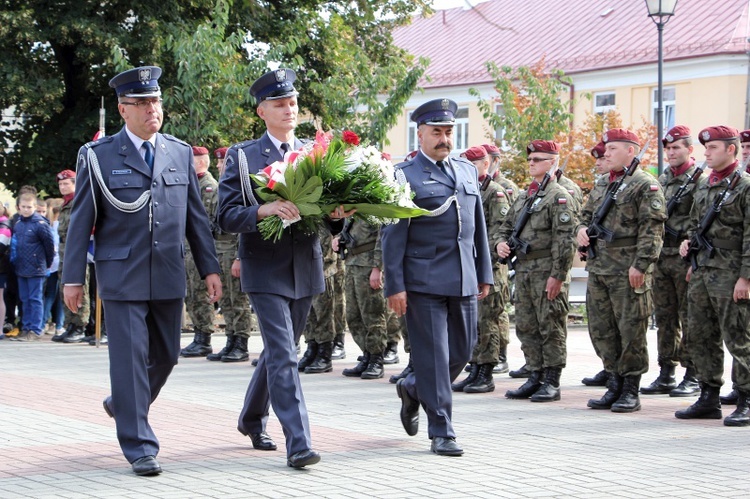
[144, 74]
[280, 75]
[531, 147]
[445, 103]
[604, 138]
[706, 135]
[669, 138]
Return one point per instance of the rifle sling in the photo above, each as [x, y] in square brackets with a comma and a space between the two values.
[362, 248]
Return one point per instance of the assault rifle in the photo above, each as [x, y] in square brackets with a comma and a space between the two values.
[346, 240]
[699, 241]
[596, 230]
[677, 197]
[561, 171]
[490, 174]
[515, 243]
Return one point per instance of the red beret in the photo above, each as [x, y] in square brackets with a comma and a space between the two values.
[620, 135]
[545, 146]
[491, 149]
[475, 153]
[676, 133]
[598, 150]
[65, 174]
[221, 152]
[745, 136]
[720, 132]
[199, 151]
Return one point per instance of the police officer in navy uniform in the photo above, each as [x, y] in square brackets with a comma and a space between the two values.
[436, 266]
[281, 277]
[137, 190]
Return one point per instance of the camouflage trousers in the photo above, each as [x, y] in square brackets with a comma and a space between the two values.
[395, 328]
[618, 321]
[199, 308]
[80, 319]
[670, 307]
[235, 305]
[541, 324]
[366, 310]
[339, 303]
[321, 326]
[493, 330]
[713, 317]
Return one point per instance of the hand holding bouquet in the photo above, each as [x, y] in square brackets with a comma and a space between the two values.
[330, 172]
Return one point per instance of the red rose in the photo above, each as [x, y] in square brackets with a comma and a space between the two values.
[350, 138]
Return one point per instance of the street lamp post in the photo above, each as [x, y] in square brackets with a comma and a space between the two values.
[660, 11]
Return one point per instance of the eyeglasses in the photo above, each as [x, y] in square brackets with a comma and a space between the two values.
[539, 160]
[143, 103]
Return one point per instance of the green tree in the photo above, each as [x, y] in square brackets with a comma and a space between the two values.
[533, 108]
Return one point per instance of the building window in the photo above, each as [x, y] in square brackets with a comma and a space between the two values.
[460, 132]
[604, 102]
[668, 104]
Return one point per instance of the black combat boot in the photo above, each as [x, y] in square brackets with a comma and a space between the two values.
[628, 401]
[227, 348]
[390, 355]
[741, 415]
[338, 352]
[309, 356]
[322, 363]
[708, 405]
[473, 371]
[521, 372]
[356, 371]
[688, 387]
[374, 368]
[730, 398]
[59, 338]
[238, 353]
[614, 390]
[502, 362]
[75, 335]
[200, 347]
[550, 389]
[664, 383]
[528, 389]
[484, 382]
[407, 371]
[598, 379]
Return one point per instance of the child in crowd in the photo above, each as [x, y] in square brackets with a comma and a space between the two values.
[5, 235]
[32, 256]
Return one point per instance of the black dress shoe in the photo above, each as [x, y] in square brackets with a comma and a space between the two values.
[107, 409]
[409, 410]
[262, 441]
[254, 362]
[303, 458]
[146, 466]
[445, 446]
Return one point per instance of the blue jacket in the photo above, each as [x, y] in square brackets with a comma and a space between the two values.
[35, 246]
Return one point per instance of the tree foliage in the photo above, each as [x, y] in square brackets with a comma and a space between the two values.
[58, 57]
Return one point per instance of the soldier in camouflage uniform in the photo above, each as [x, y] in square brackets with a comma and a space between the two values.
[75, 322]
[234, 304]
[366, 311]
[542, 274]
[618, 296]
[492, 336]
[339, 311]
[199, 308]
[511, 189]
[719, 289]
[600, 168]
[320, 330]
[670, 286]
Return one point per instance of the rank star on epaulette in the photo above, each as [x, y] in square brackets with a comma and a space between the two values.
[653, 187]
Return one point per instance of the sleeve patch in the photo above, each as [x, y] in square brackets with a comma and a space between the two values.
[209, 189]
[500, 194]
[654, 187]
[505, 209]
[656, 204]
[562, 200]
[564, 217]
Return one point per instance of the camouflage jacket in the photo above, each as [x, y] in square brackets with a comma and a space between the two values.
[548, 231]
[680, 219]
[330, 258]
[63, 221]
[637, 219]
[496, 208]
[365, 251]
[730, 228]
[511, 189]
[575, 192]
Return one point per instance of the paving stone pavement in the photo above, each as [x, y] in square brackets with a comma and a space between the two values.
[56, 441]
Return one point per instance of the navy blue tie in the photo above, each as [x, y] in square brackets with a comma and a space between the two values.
[149, 156]
[444, 166]
[284, 148]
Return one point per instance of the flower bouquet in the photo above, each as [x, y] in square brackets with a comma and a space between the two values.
[329, 172]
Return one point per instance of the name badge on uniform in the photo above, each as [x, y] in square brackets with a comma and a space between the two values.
[425, 182]
[122, 172]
